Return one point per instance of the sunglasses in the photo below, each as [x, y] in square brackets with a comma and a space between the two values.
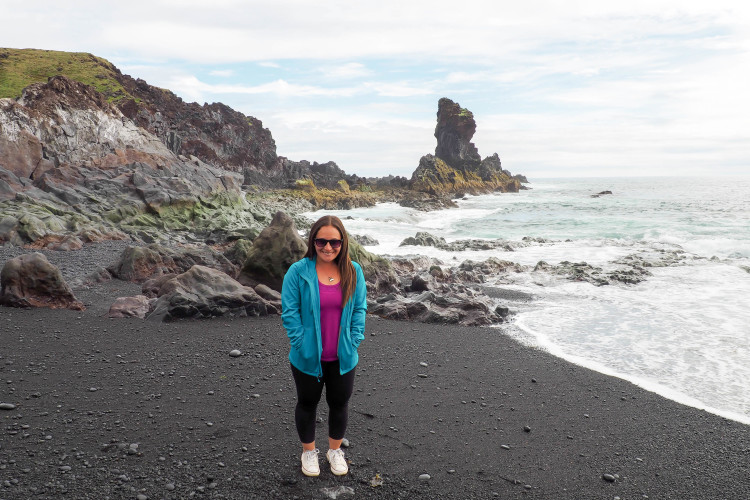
[322, 242]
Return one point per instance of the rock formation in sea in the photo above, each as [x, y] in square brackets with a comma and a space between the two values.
[456, 166]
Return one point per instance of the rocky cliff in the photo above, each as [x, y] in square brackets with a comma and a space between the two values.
[214, 133]
[71, 162]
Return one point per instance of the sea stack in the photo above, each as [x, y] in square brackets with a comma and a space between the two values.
[456, 166]
[454, 130]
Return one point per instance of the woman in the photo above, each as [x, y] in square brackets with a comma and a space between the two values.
[323, 303]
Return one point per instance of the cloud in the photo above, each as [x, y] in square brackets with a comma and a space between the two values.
[346, 71]
[192, 87]
[400, 89]
[225, 73]
[556, 87]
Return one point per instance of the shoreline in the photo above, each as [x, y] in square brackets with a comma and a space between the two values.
[87, 389]
[645, 384]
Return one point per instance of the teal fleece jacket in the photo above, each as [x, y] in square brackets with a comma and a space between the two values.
[300, 315]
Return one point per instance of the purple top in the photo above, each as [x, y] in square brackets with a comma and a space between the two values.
[330, 319]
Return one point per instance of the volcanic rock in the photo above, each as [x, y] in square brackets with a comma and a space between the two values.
[423, 238]
[271, 295]
[72, 162]
[215, 133]
[454, 130]
[364, 239]
[276, 248]
[130, 307]
[456, 166]
[379, 274]
[138, 264]
[31, 281]
[203, 292]
[431, 307]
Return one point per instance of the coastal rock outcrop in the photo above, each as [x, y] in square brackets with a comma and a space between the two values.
[423, 238]
[431, 307]
[203, 292]
[31, 281]
[629, 273]
[215, 133]
[427, 293]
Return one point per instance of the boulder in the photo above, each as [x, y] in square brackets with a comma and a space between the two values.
[130, 307]
[267, 293]
[139, 264]
[271, 295]
[237, 253]
[405, 266]
[150, 288]
[379, 273]
[31, 281]
[276, 248]
[601, 193]
[364, 239]
[425, 239]
[419, 284]
[203, 292]
[477, 272]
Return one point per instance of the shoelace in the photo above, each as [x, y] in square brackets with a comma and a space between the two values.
[337, 455]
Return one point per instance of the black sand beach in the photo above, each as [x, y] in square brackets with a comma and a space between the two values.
[127, 408]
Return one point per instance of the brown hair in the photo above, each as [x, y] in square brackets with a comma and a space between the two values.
[343, 261]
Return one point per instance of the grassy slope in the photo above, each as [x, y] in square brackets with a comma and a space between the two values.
[22, 67]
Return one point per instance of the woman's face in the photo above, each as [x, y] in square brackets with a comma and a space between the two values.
[327, 253]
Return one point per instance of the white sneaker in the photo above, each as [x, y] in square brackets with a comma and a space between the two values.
[310, 466]
[337, 461]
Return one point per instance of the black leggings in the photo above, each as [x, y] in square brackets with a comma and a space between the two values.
[309, 389]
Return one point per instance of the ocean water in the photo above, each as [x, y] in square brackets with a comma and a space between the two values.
[684, 332]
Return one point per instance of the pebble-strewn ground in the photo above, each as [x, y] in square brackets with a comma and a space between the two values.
[76, 265]
[124, 408]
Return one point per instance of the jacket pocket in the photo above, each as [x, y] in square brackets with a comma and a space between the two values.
[347, 349]
[308, 348]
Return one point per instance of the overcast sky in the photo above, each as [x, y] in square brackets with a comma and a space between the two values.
[558, 89]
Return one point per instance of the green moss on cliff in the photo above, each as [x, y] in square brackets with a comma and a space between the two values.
[330, 199]
[306, 185]
[465, 113]
[19, 68]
